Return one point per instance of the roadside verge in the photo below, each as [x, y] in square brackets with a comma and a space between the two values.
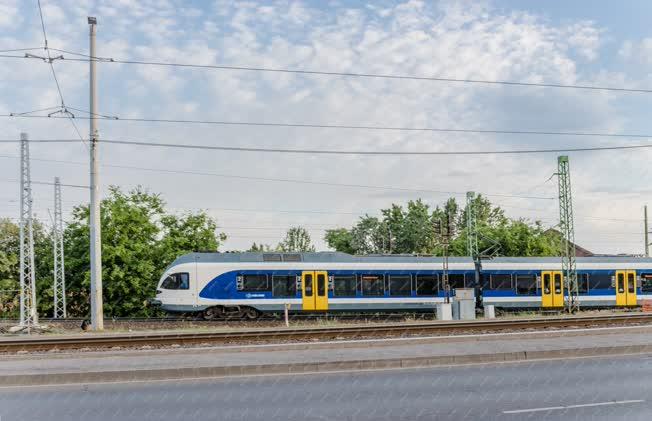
[155, 374]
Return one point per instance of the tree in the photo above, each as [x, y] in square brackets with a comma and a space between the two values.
[340, 239]
[259, 248]
[410, 230]
[138, 241]
[10, 268]
[296, 239]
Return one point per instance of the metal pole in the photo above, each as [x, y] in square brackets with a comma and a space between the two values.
[28, 314]
[647, 231]
[566, 222]
[59, 310]
[97, 313]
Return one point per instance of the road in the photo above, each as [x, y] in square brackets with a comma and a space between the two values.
[598, 388]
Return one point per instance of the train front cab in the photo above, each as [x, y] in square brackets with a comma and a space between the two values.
[552, 289]
[314, 289]
[625, 288]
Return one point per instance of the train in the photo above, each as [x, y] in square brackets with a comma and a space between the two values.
[249, 284]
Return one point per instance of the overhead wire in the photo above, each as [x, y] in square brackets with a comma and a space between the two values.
[54, 75]
[285, 180]
[352, 127]
[84, 57]
[350, 152]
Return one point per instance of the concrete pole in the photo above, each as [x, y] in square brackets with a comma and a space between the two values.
[97, 312]
[647, 231]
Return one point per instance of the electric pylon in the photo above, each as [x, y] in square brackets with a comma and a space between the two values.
[59, 310]
[568, 260]
[28, 314]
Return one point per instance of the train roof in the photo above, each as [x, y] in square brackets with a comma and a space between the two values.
[333, 257]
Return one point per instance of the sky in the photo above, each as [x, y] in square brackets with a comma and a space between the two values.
[582, 42]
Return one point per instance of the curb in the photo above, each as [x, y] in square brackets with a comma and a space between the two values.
[311, 367]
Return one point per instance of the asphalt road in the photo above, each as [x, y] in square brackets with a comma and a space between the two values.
[596, 389]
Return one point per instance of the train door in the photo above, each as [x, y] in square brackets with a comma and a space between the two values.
[552, 289]
[314, 288]
[625, 288]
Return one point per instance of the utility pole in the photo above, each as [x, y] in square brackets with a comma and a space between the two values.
[59, 310]
[569, 264]
[97, 312]
[28, 314]
[647, 232]
[472, 237]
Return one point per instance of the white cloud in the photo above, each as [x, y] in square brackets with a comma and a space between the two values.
[445, 39]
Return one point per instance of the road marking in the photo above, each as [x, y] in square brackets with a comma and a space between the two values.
[583, 405]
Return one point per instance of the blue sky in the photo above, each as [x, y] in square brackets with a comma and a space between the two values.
[585, 42]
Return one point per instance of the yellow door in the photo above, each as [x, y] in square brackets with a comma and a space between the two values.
[546, 289]
[314, 287]
[321, 296]
[631, 287]
[621, 288]
[552, 289]
[557, 289]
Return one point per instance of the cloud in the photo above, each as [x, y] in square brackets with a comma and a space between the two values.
[446, 39]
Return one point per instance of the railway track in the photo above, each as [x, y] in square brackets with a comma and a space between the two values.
[136, 340]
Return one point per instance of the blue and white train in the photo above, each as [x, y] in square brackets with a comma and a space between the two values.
[247, 284]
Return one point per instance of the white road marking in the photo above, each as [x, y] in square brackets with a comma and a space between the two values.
[583, 405]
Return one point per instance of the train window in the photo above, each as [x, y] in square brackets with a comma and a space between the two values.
[646, 282]
[583, 283]
[284, 286]
[321, 284]
[177, 281]
[526, 284]
[255, 283]
[372, 284]
[400, 285]
[307, 285]
[456, 280]
[501, 282]
[546, 283]
[427, 285]
[621, 282]
[558, 285]
[631, 284]
[344, 285]
[600, 281]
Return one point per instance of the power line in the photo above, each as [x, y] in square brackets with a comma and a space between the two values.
[86, 58]
[368, 152]
[359, 152]
[50, 61]
[350, 127]
[287, 180]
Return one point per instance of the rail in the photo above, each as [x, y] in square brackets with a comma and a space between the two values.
[102, 341]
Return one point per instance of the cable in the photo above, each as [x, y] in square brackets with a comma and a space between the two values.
[54, 75]
[340, 152]
[349, 74]
[368, 152]
[285, 180]
[353, 127]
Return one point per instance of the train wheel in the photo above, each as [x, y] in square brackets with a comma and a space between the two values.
[212, 313]
[250, 313]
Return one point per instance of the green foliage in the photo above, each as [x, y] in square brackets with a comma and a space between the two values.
[10, 267]
[139, 240]
[411, 230]
[259, 248]
[296, 239]
[340, 239]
